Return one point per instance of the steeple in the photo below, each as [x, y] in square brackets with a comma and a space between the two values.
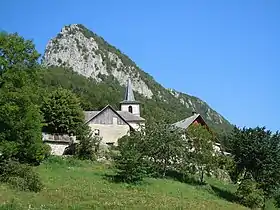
[129, 103]
[129, 96]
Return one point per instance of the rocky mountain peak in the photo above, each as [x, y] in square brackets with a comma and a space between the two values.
[88, 54]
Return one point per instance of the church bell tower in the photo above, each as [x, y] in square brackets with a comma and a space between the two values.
[129, 103]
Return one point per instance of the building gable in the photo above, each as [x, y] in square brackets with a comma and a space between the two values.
[107, 116]
[192, 120]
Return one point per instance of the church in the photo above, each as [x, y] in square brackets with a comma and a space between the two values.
[111, 124]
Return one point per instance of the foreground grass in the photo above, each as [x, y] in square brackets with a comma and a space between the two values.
[81, 185]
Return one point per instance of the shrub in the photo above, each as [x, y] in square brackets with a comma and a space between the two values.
[20, 176]
[88, 147]
[129, 160]
[249, 195]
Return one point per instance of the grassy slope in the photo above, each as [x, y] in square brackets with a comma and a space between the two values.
[81, 185]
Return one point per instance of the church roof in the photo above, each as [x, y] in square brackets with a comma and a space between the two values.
[90, 114]
[127, 116]
[129, 95]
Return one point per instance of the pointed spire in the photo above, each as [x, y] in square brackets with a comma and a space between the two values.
[129, 96]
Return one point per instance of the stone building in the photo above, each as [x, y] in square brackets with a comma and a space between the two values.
[111, 124]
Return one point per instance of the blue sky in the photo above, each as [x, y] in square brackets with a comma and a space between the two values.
[224, 52]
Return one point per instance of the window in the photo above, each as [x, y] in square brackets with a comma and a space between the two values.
[130, 109]
[96, 132]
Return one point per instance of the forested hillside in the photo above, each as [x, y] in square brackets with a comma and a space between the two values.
[95, 95]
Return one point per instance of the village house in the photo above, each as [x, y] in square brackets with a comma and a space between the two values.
[197, 119]
[111, 124]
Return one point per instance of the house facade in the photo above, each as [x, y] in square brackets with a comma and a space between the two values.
[111, 124]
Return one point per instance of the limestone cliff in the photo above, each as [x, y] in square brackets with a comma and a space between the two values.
[90, 55]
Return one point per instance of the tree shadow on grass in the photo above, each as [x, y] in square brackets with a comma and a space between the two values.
[188, 179]
[113, 178]
[191, 180]
[225, 194]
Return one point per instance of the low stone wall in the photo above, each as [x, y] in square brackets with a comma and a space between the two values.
[59, 138]
[58, 142]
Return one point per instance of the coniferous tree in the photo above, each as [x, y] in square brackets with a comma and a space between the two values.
[129, 161]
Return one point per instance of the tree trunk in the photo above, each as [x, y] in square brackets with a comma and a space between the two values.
[201, 176]
[264, 200]
[164, 168]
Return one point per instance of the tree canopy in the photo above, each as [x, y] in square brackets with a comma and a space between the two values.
[256, 152]
[15, 51]
[62, 112]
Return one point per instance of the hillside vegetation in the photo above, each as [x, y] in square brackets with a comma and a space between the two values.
[73, 184]
[95, 95]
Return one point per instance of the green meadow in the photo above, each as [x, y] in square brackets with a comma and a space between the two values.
[75, 184]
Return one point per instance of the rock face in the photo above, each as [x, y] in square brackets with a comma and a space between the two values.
[90, 55]
[74, 48]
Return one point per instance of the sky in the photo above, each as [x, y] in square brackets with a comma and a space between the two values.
[227, 53]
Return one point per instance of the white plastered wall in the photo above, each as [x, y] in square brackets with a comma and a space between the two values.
[135, 108]
[110, 133]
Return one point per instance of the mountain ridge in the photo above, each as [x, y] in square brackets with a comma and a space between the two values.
[88, 54]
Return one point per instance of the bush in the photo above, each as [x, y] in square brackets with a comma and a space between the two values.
[129, 160]
[249, 195]
[88, 147]
[20, 176]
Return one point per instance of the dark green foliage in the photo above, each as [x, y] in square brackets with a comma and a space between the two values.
[62, 112]
[129, 160]
[21, 128]
[161, 150]
[200, 140]
[15, 51]
[20, 176]
[163, 146]
[257, 151]
[88, 147]
[249, 194]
